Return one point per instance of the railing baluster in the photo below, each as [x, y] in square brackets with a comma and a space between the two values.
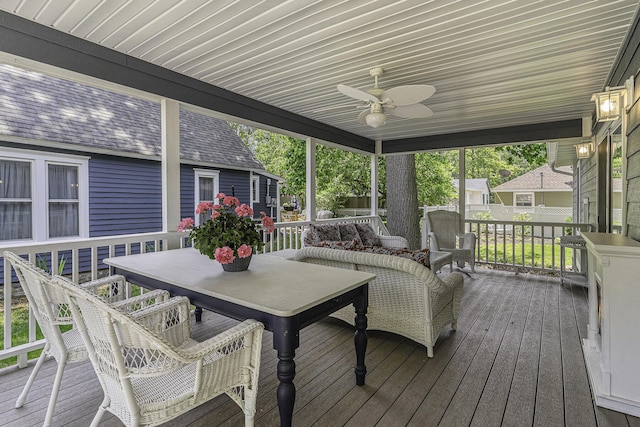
[289, 238]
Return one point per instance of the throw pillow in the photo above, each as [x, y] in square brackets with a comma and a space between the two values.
[321, 232]
[367, 235]
[349, 232]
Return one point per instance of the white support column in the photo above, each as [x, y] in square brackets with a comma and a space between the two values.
[375, 177]
[462, 191]
[170, 166]
[311, 180]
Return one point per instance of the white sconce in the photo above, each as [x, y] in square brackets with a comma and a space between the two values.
[584, 149]
[609, 104]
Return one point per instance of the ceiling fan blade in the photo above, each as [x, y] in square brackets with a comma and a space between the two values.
[407, 95]
[357, 93]
[362, 117]
[413, 111]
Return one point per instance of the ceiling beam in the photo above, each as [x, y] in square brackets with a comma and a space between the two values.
[27, 39]
[498, 136]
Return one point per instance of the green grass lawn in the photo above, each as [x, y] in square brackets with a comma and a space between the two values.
[512, 254]
[20, 332]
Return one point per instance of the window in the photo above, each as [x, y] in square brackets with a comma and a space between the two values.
[16, 205]
[206, 188]
[255, 189]
[42, 196]
[64, 202]
[523, 199]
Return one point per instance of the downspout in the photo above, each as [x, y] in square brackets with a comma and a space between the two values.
[553, 168]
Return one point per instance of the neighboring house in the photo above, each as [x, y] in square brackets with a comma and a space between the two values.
[477, 190]
[539, 187]
[79, 161]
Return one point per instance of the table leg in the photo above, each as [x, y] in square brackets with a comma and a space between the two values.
[286, 338]
[360, 338]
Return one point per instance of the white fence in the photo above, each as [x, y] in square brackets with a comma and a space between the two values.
[493, 211]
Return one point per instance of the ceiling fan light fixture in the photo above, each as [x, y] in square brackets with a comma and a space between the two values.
[376, 119]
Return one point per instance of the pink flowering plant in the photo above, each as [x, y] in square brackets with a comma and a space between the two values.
[229, 230]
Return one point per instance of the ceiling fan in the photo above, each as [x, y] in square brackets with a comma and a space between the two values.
[401, 101]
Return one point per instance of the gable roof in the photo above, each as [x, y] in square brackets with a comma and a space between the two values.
[533, 181]
[39, 107]
[474, 184]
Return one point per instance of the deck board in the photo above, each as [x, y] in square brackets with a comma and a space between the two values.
[549, 410]
[516, 359]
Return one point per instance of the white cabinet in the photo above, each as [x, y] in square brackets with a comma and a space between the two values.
[612, 347]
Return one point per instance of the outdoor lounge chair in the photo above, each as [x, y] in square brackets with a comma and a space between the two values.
[445, 235]
[150, 368]
[51, 311]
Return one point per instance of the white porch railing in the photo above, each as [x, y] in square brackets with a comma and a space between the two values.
[515, 244]
[83, 261]
[81, 253]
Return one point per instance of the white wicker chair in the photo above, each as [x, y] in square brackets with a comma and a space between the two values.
[51, 311]
[150, 368]
[405, 298]
[445, 234]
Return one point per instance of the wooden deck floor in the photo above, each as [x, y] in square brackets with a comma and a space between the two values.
[516, 359]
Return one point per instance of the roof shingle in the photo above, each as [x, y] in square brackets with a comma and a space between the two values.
[45, 108]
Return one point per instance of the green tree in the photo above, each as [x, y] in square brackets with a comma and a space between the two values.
[279, 154]
[434, 172]
[339, 174]
[524, 157]
[403, 217]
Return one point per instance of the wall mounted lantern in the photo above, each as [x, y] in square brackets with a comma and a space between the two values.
[609, 103]
[584, 149]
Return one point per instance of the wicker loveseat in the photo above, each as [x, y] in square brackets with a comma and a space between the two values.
[405, 298]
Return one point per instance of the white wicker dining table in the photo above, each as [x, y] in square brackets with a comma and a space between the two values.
[286, 296]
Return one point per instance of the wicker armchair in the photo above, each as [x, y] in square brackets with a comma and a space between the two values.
[405, 298]
[150, 368]
[51, 311]
[445, 235]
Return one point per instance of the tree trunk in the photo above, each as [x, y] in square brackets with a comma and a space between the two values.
[403, 218]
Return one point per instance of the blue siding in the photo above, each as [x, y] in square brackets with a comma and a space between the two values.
[241, 182]
[125, 196]
[262, 205]
[187, 191]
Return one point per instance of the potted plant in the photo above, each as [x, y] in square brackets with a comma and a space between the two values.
[230, 234]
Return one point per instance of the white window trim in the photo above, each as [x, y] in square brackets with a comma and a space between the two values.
[255, 180]
[39, 193]
[524, 208]
[204, 173]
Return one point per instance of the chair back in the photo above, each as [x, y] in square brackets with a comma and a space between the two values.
[446, 226]
[120, 348]
[48, 304]
[120, 342]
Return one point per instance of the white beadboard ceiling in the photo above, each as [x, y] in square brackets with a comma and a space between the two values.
[493, 63]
